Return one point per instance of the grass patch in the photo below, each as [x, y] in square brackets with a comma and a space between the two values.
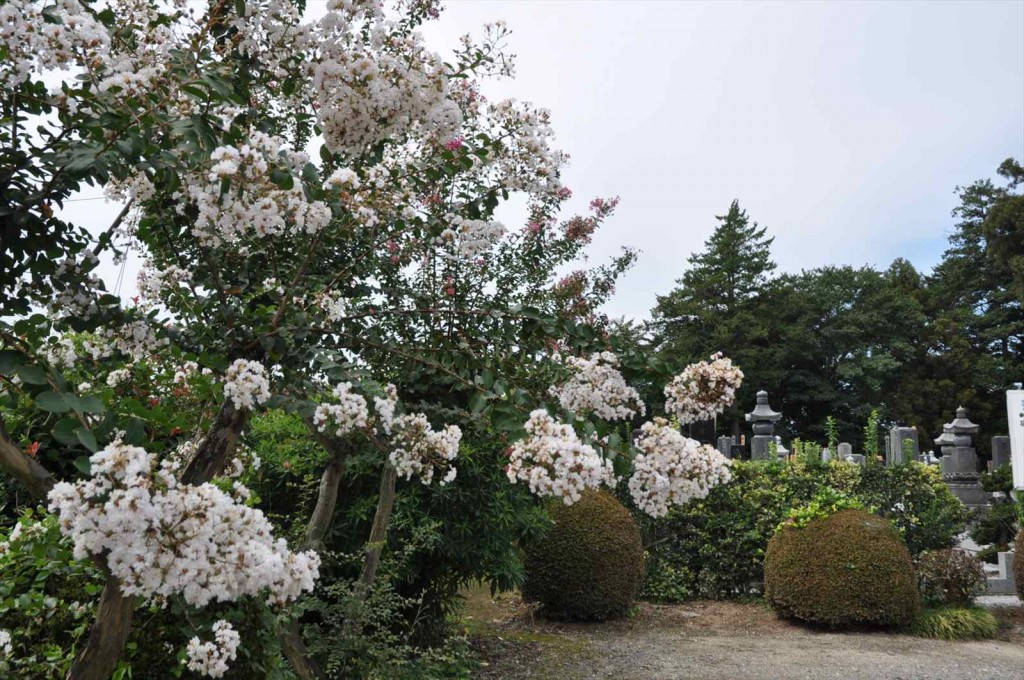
[955, 623]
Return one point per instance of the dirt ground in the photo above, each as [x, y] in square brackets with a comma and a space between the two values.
[722, 641]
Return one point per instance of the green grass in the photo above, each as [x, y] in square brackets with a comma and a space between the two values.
[955, 623]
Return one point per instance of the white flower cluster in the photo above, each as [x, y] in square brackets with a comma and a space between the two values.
[554, 462]
[246, 384]
[154, 283]
[597, 387]
[347, 415]
[61, 353]
[163, 538]
[32, 41]
[385, 408]
[420, 451]
[211, 658]
[5, 643]
[377, 85]
[703, 390]
[473, 236]
[254, 205]
[672, 469]
[119, 376]
[75, 288]
[137, 339]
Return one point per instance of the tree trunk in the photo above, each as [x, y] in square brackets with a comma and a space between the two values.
[327, 498]
[217, 446]
[109, 631]
[33, 476]
[379, 531]
[113, 621]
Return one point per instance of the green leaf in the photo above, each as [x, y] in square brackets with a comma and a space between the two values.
[52, 402]
[9, 360]
[477, 402]
[64, 431]
[87, 439]
[31, 375]
[92, 404]
[83, 465]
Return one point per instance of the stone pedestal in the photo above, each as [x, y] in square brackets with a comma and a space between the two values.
[759, 446]
[896, 438]
[1000, 452]
[1003, 582]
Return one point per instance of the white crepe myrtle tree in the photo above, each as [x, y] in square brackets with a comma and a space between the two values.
[314, 203]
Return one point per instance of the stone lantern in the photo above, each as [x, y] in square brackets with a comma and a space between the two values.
[762, 420]
[959, 463]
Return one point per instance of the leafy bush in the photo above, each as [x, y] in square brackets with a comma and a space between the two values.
[955, 623]
[715, 547]
[917, 502]
[825, 503]
[46, 598]
[949, 577]
[1018, 564]
[995, 526]
[850, 568]
[590, 564]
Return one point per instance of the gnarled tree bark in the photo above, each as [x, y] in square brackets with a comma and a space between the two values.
[217, 446]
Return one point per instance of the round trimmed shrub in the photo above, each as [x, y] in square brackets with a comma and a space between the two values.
[1018, 564]
[590, 565]
[949, 577]
[846, 569]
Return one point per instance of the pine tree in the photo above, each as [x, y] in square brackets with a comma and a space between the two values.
[714, 306]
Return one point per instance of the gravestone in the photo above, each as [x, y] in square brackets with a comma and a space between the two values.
[725, 445]
[781, 452]
[858, 458]
[960, 462]
[894, 450]
[762, 420]
[844, 451]
[1000, 452]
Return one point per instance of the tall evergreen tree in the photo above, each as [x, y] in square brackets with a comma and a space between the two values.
[713, 308]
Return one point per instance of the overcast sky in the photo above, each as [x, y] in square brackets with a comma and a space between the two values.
[843, 127]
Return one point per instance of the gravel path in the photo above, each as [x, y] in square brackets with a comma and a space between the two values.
[727, 641]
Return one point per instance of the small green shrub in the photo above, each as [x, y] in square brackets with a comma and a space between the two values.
[955, 623]
[847, 569]
[949, 577]
[590, 565]
[917, 502]
[1018, 564]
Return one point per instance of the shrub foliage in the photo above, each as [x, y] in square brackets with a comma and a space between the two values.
[949, 577]
[850, 568]
[715, 547]
[590, 565]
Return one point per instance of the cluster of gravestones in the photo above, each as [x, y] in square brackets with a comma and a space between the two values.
[957, 458]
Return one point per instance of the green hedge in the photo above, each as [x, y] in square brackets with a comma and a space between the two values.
[851, 568]
[714, 548]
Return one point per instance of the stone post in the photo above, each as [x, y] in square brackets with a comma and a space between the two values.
[894, 450]
[1000, 452]
[725, 444]
[762, 420]
[960, 462]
